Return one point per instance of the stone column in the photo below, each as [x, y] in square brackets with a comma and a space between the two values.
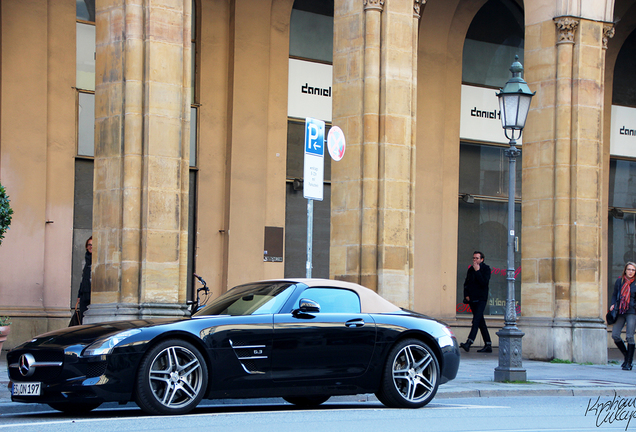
[142, 108]
[346, 175]
[375, 52]
[589, 337]
[399, 52]
[566, 28]
[562, 196]
[370, 148]
[418, 5]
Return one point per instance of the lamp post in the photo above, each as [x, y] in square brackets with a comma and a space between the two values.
[514, 104]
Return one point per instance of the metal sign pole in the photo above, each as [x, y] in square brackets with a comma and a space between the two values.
[310, 234]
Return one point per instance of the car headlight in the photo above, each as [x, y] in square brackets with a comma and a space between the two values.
[106, 345]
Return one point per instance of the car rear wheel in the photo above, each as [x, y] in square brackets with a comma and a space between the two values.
[74, 407]
[307, 401]
[411, 375]
[172, 378]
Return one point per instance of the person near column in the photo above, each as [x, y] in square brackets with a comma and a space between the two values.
[476, 295]
[624, 297]
[84, 293]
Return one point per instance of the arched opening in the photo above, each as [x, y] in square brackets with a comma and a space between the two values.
[495, 36]
[310, 68]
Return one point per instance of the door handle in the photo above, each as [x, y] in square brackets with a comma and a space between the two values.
[357, 322]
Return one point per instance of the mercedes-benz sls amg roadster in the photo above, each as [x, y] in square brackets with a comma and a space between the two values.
[304, 340]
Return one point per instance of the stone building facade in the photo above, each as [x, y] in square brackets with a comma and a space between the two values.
[172, 131]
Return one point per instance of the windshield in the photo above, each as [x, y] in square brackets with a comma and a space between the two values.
[251, 299]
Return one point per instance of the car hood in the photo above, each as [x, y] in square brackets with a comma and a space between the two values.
[86, 334]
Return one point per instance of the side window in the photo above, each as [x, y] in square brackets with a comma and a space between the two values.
[333, 300]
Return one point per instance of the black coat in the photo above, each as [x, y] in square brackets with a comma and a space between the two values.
[631, 309]
[476, 283]
[84, 293]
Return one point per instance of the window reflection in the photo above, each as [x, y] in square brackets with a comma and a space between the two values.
[622, 187]
[493, 39]
[85, 10]
[483, 226]
[621, 227]
[483, 170]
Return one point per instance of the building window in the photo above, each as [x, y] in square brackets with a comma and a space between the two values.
[296, 210]
[311, 30]
[85, 124]
[194, 108]
[621, 233]
[309, 95]
[194, 146]
[483, 221]
[621, 227]
[493, 39]
[85, 76]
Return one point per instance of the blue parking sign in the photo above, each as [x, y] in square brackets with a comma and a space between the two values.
[313, 172]
[315, 136]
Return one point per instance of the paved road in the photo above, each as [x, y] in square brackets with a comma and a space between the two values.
[474, 379]
[479, 414]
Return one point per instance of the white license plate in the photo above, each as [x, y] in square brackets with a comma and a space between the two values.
[26, 389]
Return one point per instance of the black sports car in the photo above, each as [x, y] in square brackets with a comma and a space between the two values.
[300, 339]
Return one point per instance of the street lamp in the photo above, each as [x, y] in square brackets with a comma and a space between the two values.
[514, 104]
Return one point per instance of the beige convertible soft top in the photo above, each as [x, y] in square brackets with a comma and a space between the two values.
[370, 301]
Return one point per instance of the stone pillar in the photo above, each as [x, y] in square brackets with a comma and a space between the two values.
[370, 148]
[566, 28]
[562, 196]
[396, 124]
[589, 337]
[374, 70]
[142, 108]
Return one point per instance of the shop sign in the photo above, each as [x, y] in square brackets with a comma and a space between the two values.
[309, 90]
[480, 118]
[623, 131]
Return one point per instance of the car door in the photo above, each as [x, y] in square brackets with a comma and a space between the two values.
[241, 347]
[336, 342]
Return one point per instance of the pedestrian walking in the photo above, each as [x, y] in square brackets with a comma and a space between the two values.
[624, 298]
[476, 295]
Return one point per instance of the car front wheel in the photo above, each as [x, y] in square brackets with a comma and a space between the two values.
[411, 375]
[172, 378]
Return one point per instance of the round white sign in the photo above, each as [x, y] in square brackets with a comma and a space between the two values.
[336, 143]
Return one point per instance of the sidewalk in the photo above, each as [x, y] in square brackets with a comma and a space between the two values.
[475, 379]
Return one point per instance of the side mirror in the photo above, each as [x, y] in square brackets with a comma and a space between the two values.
[307, 306]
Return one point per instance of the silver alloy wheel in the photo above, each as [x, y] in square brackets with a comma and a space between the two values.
[414, 373]
[175, 377]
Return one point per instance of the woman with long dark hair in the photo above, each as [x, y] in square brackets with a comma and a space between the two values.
[624, 298]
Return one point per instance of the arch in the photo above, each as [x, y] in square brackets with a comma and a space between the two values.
[443, 28]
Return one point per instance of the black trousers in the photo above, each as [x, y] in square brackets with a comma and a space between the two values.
[478, 307]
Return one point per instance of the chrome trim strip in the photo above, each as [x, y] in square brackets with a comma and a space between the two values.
[38, 364]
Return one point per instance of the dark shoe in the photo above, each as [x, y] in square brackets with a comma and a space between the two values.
[486, 349]
[466, 346]
[629, 357]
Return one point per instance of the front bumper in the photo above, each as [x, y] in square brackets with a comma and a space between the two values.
[451, 358]
[67, 377]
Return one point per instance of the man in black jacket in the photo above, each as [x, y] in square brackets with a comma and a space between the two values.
[476, 295]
